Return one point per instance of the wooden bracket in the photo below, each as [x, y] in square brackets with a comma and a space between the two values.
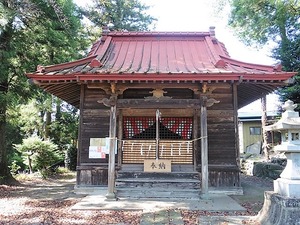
[207, 89]
[109, 102]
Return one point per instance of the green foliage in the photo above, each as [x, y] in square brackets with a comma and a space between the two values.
[71, 160]
[41, 154]
[32, 32]
[258, 22]
[129, 15]
[38, 32]
[64, 129]
[14, 167]
[26, 117]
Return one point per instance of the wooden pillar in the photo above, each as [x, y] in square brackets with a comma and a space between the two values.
[236, 125]
[204, 149]
[111, 163]
[120, 134]
[157, 134]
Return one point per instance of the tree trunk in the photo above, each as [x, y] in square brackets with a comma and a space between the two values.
[58, 108]
[30, 164]
[5, 175]
[47, 125]
[5, 37]
[265, 145]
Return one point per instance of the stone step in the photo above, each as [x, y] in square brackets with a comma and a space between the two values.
[158, 185]
[159, 181]
[158, 193]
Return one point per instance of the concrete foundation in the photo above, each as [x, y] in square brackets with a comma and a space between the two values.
[279, 210]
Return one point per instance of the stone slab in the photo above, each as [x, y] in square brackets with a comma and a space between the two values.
[228, 220]
[162, 217]
[214, 203]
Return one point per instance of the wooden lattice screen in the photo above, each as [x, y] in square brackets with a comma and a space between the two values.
[169, 128]
[175, 134]
[179, 152]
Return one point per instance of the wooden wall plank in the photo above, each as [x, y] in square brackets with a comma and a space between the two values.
[94, 122]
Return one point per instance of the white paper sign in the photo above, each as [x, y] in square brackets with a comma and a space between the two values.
[99, 148]
[96, 152]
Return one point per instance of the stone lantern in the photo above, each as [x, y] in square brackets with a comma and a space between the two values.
[283, 205]
[289, 126]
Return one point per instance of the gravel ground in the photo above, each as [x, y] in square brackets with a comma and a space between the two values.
[38, 201]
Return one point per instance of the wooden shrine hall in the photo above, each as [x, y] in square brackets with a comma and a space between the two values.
[159, 103]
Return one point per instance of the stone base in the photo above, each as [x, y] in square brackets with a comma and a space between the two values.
[278, 210]
[288, 188]
[90, 190]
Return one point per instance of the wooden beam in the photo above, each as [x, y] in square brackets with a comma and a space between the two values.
[166, 104]
[179, 112]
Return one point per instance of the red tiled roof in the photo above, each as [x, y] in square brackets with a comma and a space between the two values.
[158, 56]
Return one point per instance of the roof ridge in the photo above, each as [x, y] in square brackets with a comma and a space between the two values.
[154, 33]
[218, 62]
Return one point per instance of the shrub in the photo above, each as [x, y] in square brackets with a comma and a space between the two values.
[40, 154]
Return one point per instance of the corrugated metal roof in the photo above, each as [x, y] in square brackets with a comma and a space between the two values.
[161, 56]
[157, 53]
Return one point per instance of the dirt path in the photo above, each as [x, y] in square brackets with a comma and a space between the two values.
[254, 188]
[39, 201]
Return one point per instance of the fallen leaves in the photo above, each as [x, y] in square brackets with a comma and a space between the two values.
[49, 202]
[48, 212]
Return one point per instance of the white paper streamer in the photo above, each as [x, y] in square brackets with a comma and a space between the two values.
[179, 150]
[149, 150]
[162, 150]
[171, 149]
[142, 149]
[188, 147]
[123, 142]
[132, 146]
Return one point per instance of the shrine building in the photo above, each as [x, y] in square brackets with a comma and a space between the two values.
[159, 102]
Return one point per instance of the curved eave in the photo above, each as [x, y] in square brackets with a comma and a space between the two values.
[266, 68]
[63, 66]
[37, 77]
[187, 77]
[264, 77]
